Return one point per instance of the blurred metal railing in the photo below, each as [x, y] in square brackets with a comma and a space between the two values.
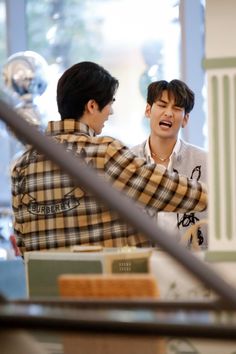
[85, 177]
[159, 318]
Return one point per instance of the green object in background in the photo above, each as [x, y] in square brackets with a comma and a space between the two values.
[43, 274]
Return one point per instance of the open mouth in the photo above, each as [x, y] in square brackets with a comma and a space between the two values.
[165, 123]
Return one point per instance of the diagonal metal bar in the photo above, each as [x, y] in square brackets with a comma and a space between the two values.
[85, 177]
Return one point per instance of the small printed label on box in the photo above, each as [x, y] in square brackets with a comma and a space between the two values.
[135, 265]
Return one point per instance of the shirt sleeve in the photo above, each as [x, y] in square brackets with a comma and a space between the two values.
[16, 206]
[152, 185]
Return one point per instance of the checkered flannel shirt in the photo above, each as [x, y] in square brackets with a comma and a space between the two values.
[51, 212]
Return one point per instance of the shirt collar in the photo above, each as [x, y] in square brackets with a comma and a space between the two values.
[177, 146]
[69, 126]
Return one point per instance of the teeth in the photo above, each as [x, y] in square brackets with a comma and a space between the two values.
[168, 124]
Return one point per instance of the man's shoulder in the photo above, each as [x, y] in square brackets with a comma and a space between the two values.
[191, 161]
[108, 141]
[187, 148]
[23, 156]
[104, 139]
[139, 150]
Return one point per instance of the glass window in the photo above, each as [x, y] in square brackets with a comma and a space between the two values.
[5, 148]
[2, 32]
[137, 41]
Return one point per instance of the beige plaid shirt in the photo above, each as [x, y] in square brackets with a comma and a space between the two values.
[51, 212]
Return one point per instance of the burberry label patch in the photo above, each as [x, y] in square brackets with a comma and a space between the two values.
[54, 208]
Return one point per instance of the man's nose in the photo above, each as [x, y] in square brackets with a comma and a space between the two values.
[111, 110]
[168, 113]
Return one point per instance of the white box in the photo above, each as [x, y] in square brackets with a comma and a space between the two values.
[43, 267]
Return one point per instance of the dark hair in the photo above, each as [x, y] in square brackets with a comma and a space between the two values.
[183, 96]
[79, 84]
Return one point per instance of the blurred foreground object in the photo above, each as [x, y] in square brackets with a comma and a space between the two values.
[44, 267]
[108, 286]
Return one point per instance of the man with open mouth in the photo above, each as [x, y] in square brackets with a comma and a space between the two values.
[168, 108]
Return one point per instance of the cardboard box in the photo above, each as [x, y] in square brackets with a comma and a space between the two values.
[108, 286]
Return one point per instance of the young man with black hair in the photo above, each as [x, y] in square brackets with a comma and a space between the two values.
[168, 108]
[51, 212]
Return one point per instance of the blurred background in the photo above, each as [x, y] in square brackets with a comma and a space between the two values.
[137, 41]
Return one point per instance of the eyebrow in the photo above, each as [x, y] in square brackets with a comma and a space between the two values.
[160, 100]
[166, 102]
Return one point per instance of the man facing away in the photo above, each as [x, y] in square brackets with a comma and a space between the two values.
[50, 211]
[168, 107]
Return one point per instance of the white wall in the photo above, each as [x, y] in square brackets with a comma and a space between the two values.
[221, 82]
[220, 28]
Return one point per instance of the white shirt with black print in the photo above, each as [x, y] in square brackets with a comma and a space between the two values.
[191, 161]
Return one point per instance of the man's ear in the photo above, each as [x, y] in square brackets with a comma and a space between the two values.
[148, 110]
[185, 120]
[91, 105]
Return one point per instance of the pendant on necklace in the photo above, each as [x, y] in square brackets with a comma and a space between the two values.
[160, 158]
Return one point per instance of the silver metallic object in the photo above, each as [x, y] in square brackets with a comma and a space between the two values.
[25, 75]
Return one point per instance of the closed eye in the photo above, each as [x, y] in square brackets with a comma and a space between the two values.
[178, 108]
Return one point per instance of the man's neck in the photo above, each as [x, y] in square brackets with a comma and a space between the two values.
[161, 146]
